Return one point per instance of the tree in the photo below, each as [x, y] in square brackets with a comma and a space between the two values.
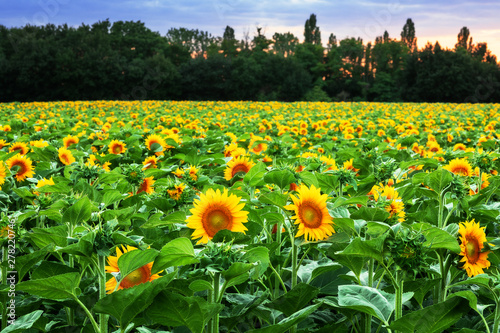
[408, 35]
[463, 39]
[312, 35]
[260, 42]
[285, 44]
[229, 43]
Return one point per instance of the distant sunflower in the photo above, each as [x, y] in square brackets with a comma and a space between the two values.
[25, 167]
[154, 138]
[39, 143]
[70, 140]
[3, 143]
[116, 147]
[43, 182]
[21, 147]
[311, 214]
[193, 172]
[139, 276]
[215, 211]
[65, 156]
[147, 185]
[178, 173]
[176, 193]
[150, 162]
[239, 164]
[460, 166]
[348, 165]
[472, 237]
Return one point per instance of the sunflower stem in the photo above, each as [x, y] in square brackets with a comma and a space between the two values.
[103, 318]
[496, 319]
[215, 319]
[277, 278]
[399, 296]
[89, 315]
[442, 285]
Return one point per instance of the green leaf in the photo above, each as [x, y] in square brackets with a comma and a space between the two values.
[200, 285]
[433, 319]
[309, 178]
[176, 217]
[126, 304]
[255, 176]
[111, 196]
[50, 236]
[59, 187]
[437, 238]
[132, 260]
[370, 214]
[162, 204]
[177, 252]
[345, 224]
[56, 287]
[274, 198]
[84, 246]
[49, 268]
[362, 200]
[26, 262]
[23, 323]
[438, 180]
[79, 212]
[365, 248]
[236, 273]
[175, 310]
[294, 300]
[369, 300]
[282, 178]
[480, 280]
[287, 323]
[259, 255]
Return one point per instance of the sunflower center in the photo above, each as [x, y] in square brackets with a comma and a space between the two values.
[239, 168]
[217, 219]
[311, 216]
[117, 149]
[258, 148]
[22, 167]
[138, 276]
[462, 171]
[472, 250]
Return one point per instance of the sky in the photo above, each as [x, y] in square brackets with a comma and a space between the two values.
[435, 20]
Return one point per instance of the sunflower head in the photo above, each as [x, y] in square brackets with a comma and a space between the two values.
[20, 147]
[116, 147]
[215, 211]
[472, 237]
[70, 140]
[311, 214]
[460, 166]
[134, 174]
[236, 165]
[65, 156]
[23, 165]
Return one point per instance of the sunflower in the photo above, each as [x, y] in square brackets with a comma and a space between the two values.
[3, 174]
[239, 164]
[154, 138]
[21, 147]
[150, 162]
[147, 185]
[176, 193]
[3, 143]
[348, 165]
[70, 140]
[25, 166]
[216, 211]
[140, 275]
[255, 147]
[65, 156]
[311, 214]
[178, 173]
[460, 166]
[472, 237]
[39, 143]
[43, 182]
[193, 172]
[116, 147]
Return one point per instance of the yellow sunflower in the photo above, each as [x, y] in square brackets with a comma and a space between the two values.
[147, 185]
[311, 214]
[216, 211]
[140, 275]
[193, 172]
[154, 138]
[3, 174]
[39, 143]
[176, 193]
[43, 182]
[3, 143]
[239, 164]
[65, 156]
[116, 147]
[21, 147]
[150, 162]
[472, 237]
[178, 173]
[459, 166]
[25, 166]
[70, 140]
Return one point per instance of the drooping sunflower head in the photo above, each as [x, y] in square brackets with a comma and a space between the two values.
[25, 166]
[239, 164]
[21, 147]
[70, 140]
[65, 156]
[116, 147]
[140, 275]
[472, 237]
[147, 185]
[150, 162]
[460, 166]
[155, 142]
[311, 214]
[3, 143]
[215, 211]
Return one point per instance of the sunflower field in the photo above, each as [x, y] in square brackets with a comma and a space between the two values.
[163, 216]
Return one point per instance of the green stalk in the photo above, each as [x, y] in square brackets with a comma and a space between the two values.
[496, 321]
[278, 253]
[103, 318]
[215, 320]
[341, 190]
[89, 315]
[441, 209]
[368, 318]
[399, 296]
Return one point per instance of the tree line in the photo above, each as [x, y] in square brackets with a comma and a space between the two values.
[126, 60]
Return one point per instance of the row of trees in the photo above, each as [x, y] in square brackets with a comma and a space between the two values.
[126, 60]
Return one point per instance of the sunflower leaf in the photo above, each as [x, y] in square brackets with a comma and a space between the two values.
[56, 287]
[437, 238]
[132, 260]
[438, 180]
[79, 212]
[24, 323]
[177, 252]
[282, 178]
[287, 323]
[255, 176]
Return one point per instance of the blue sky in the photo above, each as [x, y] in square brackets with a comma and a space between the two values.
[437, 20]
